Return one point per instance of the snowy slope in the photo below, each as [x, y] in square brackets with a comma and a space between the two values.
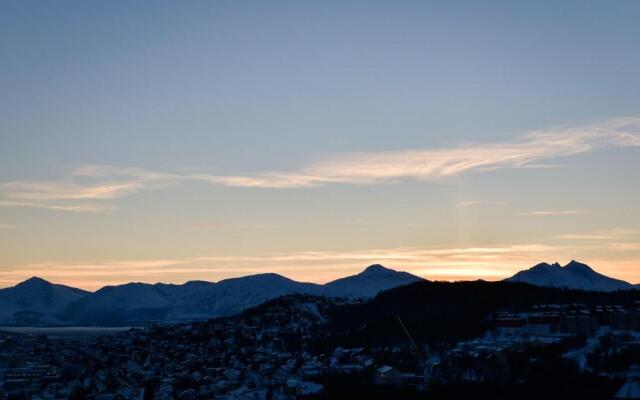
[175, 292]
[595, 280]
[139, 303]
[369, 282]
[574, 275]
[35, 301]
[122, 304]
[231, 296]
[543, 274]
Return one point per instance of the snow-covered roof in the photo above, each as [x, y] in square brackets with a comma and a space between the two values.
[385, 369]
[630, 390]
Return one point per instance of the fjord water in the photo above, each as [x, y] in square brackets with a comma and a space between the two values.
[66, 332]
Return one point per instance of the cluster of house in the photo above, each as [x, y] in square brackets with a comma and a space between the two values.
[271, 352]
[571, 319]
[246, 357]
[30, 377]
[480, 360]
[261, 354]
[618, 318]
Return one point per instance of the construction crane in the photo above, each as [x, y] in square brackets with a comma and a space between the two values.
[413, 342]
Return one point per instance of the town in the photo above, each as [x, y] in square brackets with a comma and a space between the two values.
[277, 351]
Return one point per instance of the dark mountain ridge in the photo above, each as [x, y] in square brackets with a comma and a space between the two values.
[451, 311]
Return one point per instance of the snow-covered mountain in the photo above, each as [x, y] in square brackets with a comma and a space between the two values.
[369, 282]
[122, 304]
[135, 303]
[231, 296]
[36, 301]
[574, 275]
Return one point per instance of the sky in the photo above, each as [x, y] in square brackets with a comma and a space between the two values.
[172, 141]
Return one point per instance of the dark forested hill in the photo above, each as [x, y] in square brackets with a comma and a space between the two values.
[436, 311]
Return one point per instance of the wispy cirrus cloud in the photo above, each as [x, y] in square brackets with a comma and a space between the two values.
[542, 166]
[547, 213]
[584, 237]
[612, 240]
[474, 203]
[46, 191]
[99, 183]
[87, 189]
[625, 247]
[603, 234]
[378, 167]
[75, 207]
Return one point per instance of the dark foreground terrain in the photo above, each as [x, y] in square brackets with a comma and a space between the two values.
[425, 340]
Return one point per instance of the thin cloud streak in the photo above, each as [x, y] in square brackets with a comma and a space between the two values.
[625, 247]
[603, 235]
[546, 213]
[370, 168]
[585, 237]
[82, 208]
[542, 166]
[99, 183]
[44, 191]
[472, 203]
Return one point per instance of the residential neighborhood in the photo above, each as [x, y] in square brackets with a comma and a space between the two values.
[275, 351]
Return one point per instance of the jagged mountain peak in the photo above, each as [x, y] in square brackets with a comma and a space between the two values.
[574, 275]
[545, 265]
[574, 265]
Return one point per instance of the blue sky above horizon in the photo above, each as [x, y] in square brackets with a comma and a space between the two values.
[167, 141]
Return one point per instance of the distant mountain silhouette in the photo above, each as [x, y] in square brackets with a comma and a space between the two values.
[38, 302]
[574, 275]
[231, 296]
[369, 282]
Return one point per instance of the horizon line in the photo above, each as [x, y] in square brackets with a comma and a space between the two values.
[453, 278]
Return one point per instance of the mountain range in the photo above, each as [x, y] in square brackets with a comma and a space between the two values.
[574, 275]
[36, 302]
